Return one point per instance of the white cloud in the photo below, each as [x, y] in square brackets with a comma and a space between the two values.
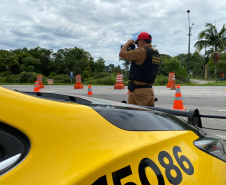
[101, 26]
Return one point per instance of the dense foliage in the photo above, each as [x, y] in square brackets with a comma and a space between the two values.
[22, 65]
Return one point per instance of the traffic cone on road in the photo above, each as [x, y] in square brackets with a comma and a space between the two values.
[89, 90]
[78, 84]
[178, 103]
[37, 87]
[39, 79]
[170, 80]
[119, 83]
[173, 87]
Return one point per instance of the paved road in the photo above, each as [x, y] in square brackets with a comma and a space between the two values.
[210, 100]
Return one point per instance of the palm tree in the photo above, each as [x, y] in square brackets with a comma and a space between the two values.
[211, 38]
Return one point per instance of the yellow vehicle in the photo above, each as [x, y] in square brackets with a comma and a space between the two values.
[53, 139]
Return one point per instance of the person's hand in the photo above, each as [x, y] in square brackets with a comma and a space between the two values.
[130, 42]
[124, 48]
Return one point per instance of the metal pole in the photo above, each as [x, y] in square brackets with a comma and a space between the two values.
[189, 47]
[208, 73]
[204, 63]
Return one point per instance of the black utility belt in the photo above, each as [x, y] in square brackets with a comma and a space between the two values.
[132, 86]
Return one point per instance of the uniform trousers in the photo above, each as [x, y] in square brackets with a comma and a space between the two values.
[142, 96]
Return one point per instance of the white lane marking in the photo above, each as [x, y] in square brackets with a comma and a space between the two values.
[222, 110]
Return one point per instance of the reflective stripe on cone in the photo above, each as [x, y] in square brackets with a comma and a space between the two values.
[178, 103]
[89, 91]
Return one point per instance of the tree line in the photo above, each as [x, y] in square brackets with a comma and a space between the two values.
[45, 61]
[49, 63]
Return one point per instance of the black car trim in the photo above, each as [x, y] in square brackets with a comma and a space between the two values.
[12, 143]
[58, 97]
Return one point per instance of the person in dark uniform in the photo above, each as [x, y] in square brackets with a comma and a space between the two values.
[145, 63]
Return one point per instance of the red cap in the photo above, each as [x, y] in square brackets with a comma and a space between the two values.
[144, 35]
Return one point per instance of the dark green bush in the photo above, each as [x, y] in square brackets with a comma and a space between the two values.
[3, 79]
[30, 77]
[44, 79]
[3, 74]
[24, 77]
[101, 75]
[61, 79]
[103, 81]
[161, 80]
[13, 79]
[52, 75]
[85, 76]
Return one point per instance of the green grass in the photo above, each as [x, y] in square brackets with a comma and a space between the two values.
[219, 83]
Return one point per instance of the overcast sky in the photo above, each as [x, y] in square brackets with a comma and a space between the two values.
[100, 27]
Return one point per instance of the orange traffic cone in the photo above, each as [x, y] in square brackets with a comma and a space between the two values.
[178, 103]
[39, 79]
[170, 80]
[78, 84]
[37, 87]
[173, 83]
[119, 84]
[90, 90]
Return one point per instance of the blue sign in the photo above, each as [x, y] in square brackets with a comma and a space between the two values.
[71, 74]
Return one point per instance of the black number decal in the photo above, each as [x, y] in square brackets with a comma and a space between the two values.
[170, 166]
[181, 160]
[101, 181]
[146, 162]
[120, 174]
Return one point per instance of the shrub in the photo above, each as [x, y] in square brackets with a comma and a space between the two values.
[104, 81]
[161, 80]
[44, 79]
[32, 79]
[28, 77]
[101, 75]
[2, 79]
[52, 75]
[14, 79]
[24, 77]
[61, 78]
[3, 74]
[85, 76]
